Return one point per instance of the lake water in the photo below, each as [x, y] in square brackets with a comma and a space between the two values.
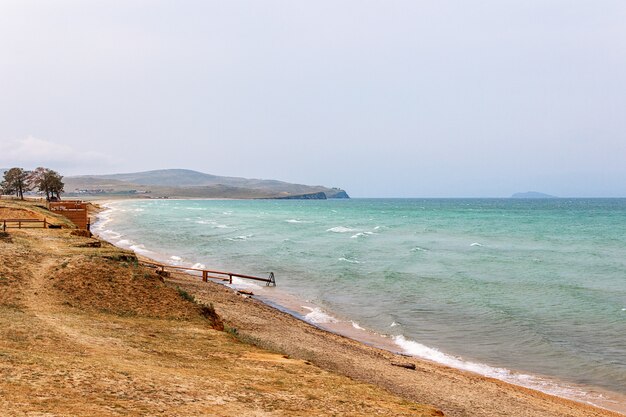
[529, 291]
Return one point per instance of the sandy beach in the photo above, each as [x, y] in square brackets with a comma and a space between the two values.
[89, 331]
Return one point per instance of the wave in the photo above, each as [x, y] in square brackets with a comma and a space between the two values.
[140, 249]
[340, 229]
[295, 221]
[476, 244]
[352, 261]
[413, 348]
[362, 234]
[356, 325]
[317, 316]
[108, 234]
[239, 238]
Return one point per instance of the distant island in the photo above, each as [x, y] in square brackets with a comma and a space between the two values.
[185, 183]
[532, 194]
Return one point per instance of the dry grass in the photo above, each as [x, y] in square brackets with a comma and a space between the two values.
[87, 332]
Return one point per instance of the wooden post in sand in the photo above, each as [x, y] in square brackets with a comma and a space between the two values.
[205, 276]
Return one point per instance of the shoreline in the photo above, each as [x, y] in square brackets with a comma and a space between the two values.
[313, 315]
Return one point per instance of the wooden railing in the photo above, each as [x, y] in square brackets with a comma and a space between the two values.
[22, 223]
[269, 281]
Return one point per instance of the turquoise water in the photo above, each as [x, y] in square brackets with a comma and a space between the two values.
[536, 286]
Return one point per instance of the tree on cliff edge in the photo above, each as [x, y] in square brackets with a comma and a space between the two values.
[15, 180]
[47, 181]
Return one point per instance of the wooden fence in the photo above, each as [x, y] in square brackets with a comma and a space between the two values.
[23, 223]
[221, 275]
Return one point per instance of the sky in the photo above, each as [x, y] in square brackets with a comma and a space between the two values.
[386, 98]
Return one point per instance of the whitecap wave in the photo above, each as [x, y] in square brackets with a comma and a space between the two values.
[362, 234]
[239, 238]
[476, 244]
[356, 325]
[140, 249]
[110, 235]
[529, 381]
[198, 266]
[340, 229]
[295, 221]
[352, 261]
[318, 316]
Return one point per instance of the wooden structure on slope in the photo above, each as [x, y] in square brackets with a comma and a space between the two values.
[75, 211]
[270, 281]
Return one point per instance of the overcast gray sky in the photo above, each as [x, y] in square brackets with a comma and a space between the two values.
[383, 98]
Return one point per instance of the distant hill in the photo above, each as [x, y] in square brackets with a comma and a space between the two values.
[192, 184]
[532, 194]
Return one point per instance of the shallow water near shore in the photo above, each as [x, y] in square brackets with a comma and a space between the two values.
[487, 285]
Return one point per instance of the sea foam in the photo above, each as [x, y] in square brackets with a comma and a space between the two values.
[352, 261]
[340, 229]
[318, 316]
[362, 234]
[413, 348]
[239, 238]
[356, 325]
